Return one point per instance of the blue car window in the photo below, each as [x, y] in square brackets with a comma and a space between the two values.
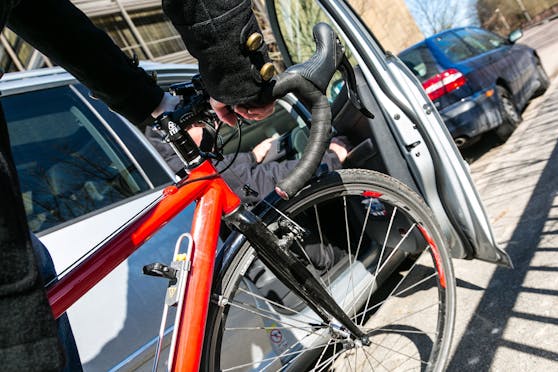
[421, 62]
[488, 39]
[453, 47]
[67, 161]
[479, 45]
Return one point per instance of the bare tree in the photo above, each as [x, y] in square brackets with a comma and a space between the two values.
[433, 16]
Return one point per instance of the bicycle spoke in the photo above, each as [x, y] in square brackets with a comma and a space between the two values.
[392, 218]
[272, 359]
[283, 354]
[358, 248]
[396, 248]
[261, 328]
[351, 278]
[396, 343]
[322, 246]
[319, 361]
[368, 354]
[403, 362]
[319, 226]
[325, 363]
[364, 224]
[274, 303]
[380, 268]
[327, 287]
[250, 309]
[372, 330]
[400, 353]
[389, 330]
[397, 294]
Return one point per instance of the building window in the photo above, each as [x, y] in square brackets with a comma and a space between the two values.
[116, 26]
[12, 46]
[157, 32]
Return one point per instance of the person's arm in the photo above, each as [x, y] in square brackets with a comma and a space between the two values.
[262, 178]
[63, 33]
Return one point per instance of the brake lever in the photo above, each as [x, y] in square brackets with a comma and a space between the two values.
[349, 77]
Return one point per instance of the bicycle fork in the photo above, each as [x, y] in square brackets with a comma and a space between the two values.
[290, 270]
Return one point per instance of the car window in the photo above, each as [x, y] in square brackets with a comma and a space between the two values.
[421, 62]
[67, 161]
[296, 18]
[481, 40]
[453, 47]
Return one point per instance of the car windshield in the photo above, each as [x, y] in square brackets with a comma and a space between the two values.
[421, 62]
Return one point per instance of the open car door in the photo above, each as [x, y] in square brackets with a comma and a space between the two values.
[406, 137]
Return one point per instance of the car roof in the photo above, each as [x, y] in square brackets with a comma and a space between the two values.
[19, 82]
[424, 42]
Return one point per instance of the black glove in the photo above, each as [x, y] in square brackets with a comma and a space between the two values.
[216, 33]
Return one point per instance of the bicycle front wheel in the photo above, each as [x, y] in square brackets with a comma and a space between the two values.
[376, 248]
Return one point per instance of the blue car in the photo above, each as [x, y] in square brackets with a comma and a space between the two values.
[478, 81]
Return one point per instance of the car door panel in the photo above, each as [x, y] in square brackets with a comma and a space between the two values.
[440, 165]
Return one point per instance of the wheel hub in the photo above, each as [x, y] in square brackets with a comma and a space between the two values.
[339, 332]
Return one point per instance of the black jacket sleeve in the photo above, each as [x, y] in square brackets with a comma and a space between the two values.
[262, 178]
[215, 32]
[63, 33]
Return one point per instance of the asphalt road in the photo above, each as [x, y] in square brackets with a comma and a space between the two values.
[507, 319]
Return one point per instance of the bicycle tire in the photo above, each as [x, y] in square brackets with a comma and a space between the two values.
[284, 325]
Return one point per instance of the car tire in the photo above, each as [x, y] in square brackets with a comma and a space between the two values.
[510, 115]
[543, 79]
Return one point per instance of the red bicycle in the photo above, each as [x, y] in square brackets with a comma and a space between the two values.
[348, 272]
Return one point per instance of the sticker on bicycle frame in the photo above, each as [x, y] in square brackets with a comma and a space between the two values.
[436, 253]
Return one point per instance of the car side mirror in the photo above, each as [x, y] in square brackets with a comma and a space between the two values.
[515, 35]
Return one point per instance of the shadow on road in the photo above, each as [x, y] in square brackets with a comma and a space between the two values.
[485, 331]
[475, 151]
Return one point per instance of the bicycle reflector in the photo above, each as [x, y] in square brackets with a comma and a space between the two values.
[443, 83]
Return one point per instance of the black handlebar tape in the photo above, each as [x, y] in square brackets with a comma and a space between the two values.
[320, 131]
[321, 66]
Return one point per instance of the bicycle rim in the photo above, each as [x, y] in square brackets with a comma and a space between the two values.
[381, 257]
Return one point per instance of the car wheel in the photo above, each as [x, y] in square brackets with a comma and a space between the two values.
[510, 115]
[543, 79]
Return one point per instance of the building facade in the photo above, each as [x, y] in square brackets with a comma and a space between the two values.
[140, 27]
[390, 21]
[136, 26]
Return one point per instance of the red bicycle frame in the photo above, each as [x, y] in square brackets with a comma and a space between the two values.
[214, 199]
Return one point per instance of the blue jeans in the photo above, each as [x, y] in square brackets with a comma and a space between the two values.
[65, 335]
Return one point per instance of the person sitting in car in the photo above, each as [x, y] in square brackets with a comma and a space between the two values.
[248, 168]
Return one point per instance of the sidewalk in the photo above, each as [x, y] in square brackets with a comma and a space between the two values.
[543, 38]
[507, 319]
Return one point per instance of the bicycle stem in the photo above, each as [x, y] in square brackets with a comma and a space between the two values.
[291, 271]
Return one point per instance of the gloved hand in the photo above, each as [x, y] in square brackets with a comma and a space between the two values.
[225, 38]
